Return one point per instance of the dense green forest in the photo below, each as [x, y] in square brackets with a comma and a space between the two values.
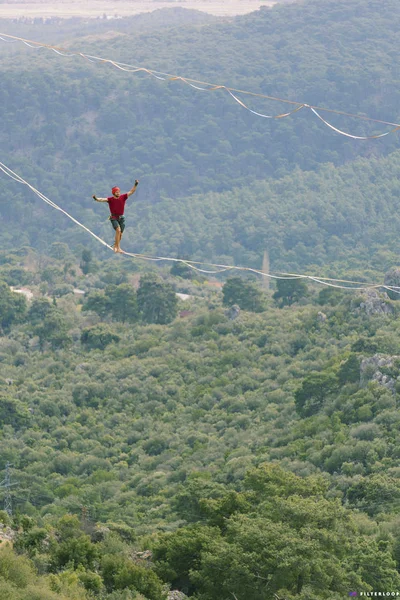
[157, 445]
[170, 434]
[335, 221]
[72, 128]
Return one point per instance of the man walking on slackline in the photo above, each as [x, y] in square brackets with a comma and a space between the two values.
[116, 202]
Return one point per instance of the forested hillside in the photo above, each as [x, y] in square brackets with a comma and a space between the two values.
[205, 442]
[73, 129]
[337, 220]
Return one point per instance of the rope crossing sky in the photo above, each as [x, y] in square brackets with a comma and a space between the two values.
[205, 86]
[342, 284]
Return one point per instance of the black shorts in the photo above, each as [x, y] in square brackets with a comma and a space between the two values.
[118, 222]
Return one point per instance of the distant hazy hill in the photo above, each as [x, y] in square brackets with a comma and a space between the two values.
[55, 29]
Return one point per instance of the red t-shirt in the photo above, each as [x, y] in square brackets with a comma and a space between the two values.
[117, 205]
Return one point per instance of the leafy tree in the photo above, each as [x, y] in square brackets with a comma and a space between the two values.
[372, 560]
[374, 493]
[244, 293]
[91, 581]
[289, 291]
[122, 302]
[32, 541]
[12, 412]
[179, 269]
[313, 391]
[392, 279]
[50, 274]
[218, 510]
[75, 552]
[62, 290]
[16, 570]
[73, 547]
[256, 551]
[178, 554]
[118, 302]
[349, 370]
[365, 345]
[155, 446]
[53, 329]
[272, 480]
[16, 276]
[18, 581]
[189, 501]
[59, 250]
[99, 336]
[12, 306]
[87, 263]
[38, 311]
[120, 573]
[142, 579]
[157, 301]
[97, 302]
[68, 584]
[330, 297]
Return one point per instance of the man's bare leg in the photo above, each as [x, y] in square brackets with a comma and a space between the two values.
[119, 242]
[117, 239]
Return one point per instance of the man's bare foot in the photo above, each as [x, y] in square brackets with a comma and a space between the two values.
[120, 251]
[115, 248]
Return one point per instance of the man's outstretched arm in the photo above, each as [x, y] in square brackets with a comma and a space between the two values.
[99, 199]
[133, 190]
